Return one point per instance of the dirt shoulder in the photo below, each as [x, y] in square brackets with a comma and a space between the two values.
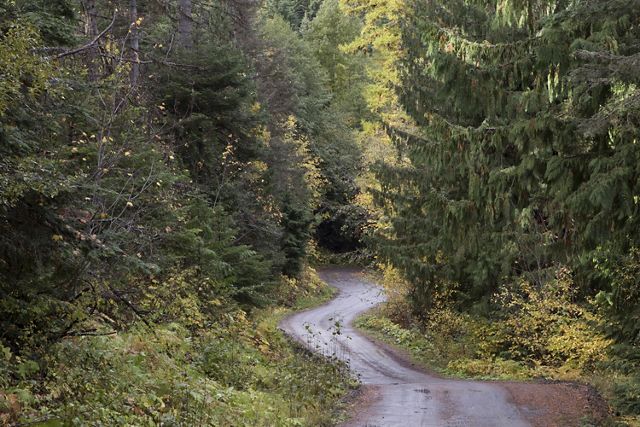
[558, 404]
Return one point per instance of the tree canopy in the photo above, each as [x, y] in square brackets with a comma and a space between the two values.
[171, 168]
[526, 154]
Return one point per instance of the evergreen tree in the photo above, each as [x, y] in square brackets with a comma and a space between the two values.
[526, 156]
[109, 183]
[296, 12]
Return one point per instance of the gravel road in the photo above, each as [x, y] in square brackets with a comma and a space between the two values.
[401, 395]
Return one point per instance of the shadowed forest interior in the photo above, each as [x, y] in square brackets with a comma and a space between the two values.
[173, 171]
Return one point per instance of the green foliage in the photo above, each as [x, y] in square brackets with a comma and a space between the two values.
[22, 71]
[306, 292]
[380, 40]
[230, 369]
[341, 221]
[525, 156]
[212, 109]
[154, 198]
[327, 34]
[622, 300]
[626, 394]
[545, 326]
[294, 241]
[401, 336]
[326, 146]
[297, 13]
[54, 19]
[523, 165]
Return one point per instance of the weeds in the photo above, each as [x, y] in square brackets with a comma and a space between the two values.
[240, 370]
[530, 333]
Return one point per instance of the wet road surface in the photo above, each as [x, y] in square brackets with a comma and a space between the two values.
[402, 395]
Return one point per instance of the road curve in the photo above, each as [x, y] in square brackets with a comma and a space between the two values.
[405, 396]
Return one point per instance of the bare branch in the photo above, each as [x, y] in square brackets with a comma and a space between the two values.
[91, 43]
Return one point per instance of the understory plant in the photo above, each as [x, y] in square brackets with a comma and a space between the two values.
[232, 369]
[529, 332]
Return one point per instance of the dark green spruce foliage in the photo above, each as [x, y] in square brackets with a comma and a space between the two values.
[113, 189]
[528, 154]
[162, 166]
[297, 13]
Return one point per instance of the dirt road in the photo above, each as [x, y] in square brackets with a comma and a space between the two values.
[399, 394]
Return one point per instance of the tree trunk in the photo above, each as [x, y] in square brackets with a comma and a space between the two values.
[134, 43]
[530, 17]
[185, 24]
[91, 31]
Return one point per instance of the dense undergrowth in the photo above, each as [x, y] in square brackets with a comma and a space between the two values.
[511, 215]
[164, 168]
[237, 370]
[528, 334]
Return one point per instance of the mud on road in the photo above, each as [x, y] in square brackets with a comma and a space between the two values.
[399, 394]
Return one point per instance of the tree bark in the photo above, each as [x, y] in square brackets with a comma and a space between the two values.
[185, 24]
[530, 17]
[134, 43]
[91, 31]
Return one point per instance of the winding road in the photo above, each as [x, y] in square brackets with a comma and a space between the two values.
[402, 395]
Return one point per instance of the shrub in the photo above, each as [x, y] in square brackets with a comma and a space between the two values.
[544, 325]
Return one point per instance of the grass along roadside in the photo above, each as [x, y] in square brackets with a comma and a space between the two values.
[324, 395]
[450, 349]
[239, 370]
[428, 352]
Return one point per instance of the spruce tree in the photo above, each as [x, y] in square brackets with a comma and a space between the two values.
[527, 154]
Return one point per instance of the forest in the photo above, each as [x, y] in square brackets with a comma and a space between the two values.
[173, 174]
